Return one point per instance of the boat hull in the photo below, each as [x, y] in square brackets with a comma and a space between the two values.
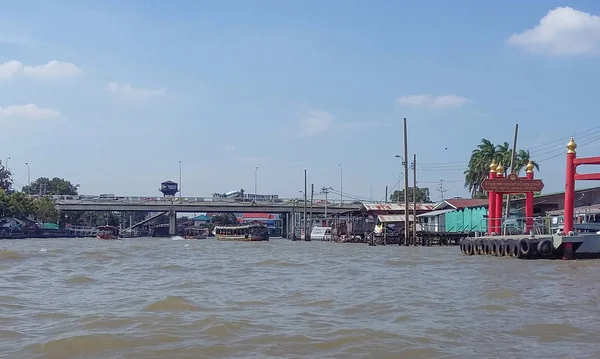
[195, 237]
[243, 238]
[107, 236]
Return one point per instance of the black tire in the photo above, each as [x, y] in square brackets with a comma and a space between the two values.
[487, 247]
[524, 247]
[515, 249]
[507, 247]
[501, 251]
[545, 248]
[470, 248]
[494, 247]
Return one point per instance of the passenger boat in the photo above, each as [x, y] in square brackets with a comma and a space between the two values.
[107, 232]
[249, 232]
[196, 233]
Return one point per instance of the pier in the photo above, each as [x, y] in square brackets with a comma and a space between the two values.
[570, 241]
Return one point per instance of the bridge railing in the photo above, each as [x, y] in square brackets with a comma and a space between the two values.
[197, 200]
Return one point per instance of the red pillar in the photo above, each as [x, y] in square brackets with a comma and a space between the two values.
[491, 201]
[570, 187]
[529, 201]
[498, 204]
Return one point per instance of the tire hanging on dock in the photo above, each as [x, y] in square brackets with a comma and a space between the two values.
[507, 247]
[524, 248]
[545, 248]
[501, 247]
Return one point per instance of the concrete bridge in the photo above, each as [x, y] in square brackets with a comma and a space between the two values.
[172, 206]
[195, 204]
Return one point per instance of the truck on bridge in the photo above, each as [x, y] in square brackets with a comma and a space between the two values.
[229, 196]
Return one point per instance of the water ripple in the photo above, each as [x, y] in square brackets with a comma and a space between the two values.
[155, 298]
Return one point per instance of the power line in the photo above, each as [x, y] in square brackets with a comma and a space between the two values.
[441, 189]
[551, 147]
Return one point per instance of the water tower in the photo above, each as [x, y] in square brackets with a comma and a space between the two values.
[169, 188]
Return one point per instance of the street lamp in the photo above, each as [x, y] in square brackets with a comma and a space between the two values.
[179, 181]
[6, 163]
[398, 197]
[28, 178]
[341, 184]
[255, 182]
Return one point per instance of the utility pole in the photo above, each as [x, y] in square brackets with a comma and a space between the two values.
[414, 167]
[305, 194]
[386, 194]
[325, 190]
[180, 181]
[28, 179]
[312, 193]
[406, 228]
[441, 188]
[511, 171]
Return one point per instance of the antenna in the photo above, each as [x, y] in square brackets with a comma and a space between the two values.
[441, 188]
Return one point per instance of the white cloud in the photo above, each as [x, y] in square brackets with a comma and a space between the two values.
[51, 70]
[563, 31]
[433, 101]
[130, 91]
[29, 112]
[315, 123]
[10, 69]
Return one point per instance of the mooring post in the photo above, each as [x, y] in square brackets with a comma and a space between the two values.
[498, 204]
[492, 200]
[569, 197]
[570, 187]
[529, 200]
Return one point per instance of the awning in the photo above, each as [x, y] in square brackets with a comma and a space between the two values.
[387, 218]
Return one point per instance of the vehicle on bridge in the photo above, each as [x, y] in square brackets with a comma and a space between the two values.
[250, 232]
[236, 196]
[107, 232]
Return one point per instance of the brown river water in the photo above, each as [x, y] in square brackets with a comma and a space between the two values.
[161, 298]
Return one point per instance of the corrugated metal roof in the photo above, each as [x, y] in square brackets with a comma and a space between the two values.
[435, 213]
[395, 218]
[460, 203]
[396, 206]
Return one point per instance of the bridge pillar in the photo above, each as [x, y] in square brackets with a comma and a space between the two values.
[172, 222]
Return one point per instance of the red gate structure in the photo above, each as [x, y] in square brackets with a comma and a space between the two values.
[497, 186]
[572, 176]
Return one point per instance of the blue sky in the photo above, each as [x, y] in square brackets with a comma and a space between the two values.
[112, 94]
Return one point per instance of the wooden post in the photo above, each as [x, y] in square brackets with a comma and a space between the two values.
[406, 211]
[414, 239]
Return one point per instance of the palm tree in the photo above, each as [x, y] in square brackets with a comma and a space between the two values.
[481, 158]
[479, 166]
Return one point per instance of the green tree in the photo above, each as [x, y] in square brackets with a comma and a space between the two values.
[19, 205]
[422, 195]
[481, 158]
[224, 219]
[5, 178]
[54, 186]
[45, 210]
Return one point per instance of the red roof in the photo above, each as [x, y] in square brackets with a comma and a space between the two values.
[257, 216]
[460, 203]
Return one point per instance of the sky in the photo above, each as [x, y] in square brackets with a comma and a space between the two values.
[113, 94]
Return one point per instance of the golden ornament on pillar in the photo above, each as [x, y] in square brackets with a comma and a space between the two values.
[493, 166]
[500, 169]
[571, 146]
[530, 166]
